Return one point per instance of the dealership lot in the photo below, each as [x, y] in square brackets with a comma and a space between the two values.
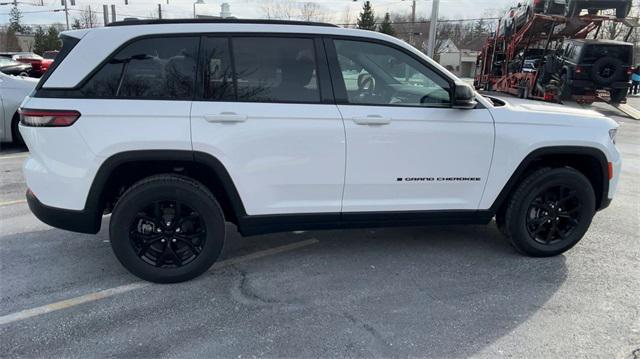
[445, 291]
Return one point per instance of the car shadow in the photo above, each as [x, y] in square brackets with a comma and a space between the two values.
[445, 291]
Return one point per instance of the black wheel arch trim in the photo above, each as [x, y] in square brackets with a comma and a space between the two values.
[522, 168]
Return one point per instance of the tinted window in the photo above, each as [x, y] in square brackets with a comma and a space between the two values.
[275, 69]
[218, 72]
[376, 74]
[593, 53]
[148, 68]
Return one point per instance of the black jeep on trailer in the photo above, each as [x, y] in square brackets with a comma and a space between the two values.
[582, 67]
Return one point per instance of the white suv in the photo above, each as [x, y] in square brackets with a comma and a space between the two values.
[176, 126]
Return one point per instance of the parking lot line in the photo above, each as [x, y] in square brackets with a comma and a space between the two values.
[92, 297]
[8, 203]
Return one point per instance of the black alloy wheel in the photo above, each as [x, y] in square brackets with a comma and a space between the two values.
[168, 234]
[553, 215]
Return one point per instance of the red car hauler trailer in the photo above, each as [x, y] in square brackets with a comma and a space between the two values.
[512, 63]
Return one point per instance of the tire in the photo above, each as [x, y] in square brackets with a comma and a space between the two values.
[565, 88]
[534, 220]
[618, 95]
[622, 11]
[15, 131]
[606, 70]
[180, 243]
[571, 9]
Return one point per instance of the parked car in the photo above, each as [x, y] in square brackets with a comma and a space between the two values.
[588, 65]
[253, 122]
[50, 55]
[507, 23]
[38, 64]
[526, 10]
[572, 8]
[11, 67]
[13, 89]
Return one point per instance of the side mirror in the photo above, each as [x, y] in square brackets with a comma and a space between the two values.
[464, 97]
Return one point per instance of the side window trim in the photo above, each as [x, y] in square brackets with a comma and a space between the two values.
[340, 89]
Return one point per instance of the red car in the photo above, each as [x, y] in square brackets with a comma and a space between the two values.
[38, 64]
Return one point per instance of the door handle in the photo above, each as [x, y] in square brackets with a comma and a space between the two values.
[226, 117]
[372, 120]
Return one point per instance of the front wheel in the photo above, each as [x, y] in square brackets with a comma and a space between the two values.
[618, 95]
[565, 88]
[167, 229]
[549, 212]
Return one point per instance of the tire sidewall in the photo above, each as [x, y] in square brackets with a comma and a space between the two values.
[137, 199]
[567, 177]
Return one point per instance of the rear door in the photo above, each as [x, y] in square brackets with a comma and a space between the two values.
[269, 117]
[407, 149]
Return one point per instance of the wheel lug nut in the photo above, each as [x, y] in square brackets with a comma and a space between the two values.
[178, 230]
[162, 240]
[173, 240]
[158, 230]
[168, 224]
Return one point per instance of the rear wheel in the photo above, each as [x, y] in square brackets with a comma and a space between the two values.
[167, 229]
[549, 212]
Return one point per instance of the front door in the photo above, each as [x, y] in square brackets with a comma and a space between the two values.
[407, 149]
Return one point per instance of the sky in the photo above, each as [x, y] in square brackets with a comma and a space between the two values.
[332, 10]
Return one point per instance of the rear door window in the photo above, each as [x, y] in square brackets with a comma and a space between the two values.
[275, 69]
[152, 68]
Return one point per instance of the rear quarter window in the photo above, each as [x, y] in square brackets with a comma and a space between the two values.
[154, 68]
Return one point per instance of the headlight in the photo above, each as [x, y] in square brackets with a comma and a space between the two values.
[612, 133]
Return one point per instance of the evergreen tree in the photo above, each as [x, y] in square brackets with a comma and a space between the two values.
[386, 27]
[52, 40]
[367, 19]
[40, 39]
[15, 20]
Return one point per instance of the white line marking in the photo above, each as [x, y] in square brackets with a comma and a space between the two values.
[9, 157]
[8, 203]
[91, 297]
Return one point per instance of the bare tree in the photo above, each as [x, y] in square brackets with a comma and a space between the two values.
[279, 9]
[310, 11]
[87, 19]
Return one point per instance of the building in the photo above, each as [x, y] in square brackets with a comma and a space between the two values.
[460, 59]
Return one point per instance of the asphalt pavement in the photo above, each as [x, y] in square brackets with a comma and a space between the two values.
[438, 292]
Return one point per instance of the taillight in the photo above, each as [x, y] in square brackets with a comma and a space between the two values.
[610, 168]
[578, 70]
[48, 118]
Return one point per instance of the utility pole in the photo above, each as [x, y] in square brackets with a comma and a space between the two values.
[105, 14]
[159, 11]
[433, 28]
[66, 12]
[113, 13]
[413, 21]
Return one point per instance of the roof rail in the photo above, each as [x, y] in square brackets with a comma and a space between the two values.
[129, 22]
